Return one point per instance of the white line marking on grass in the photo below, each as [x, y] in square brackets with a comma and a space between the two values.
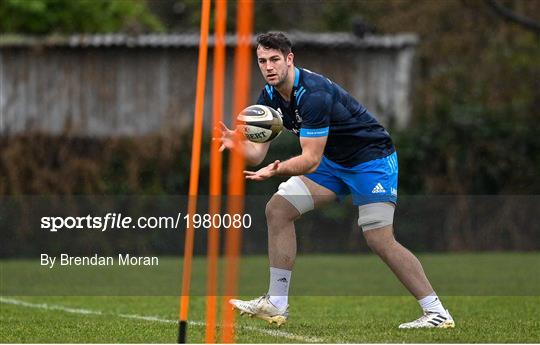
[50, 307]
[147, 318]
[271, 332]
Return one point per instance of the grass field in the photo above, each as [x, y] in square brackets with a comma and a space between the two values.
[341, 318]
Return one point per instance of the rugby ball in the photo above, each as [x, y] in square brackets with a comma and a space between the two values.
[259, 123]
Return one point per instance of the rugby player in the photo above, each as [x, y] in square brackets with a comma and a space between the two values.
[344, 150]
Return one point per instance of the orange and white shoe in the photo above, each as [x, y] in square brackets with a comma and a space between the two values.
[261, 308]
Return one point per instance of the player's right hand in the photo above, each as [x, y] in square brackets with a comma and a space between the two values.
[226, 138]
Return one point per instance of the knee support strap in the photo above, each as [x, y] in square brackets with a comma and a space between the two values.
[376, 215]
[297, 193]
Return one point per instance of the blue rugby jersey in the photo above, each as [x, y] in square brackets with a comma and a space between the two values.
[319, 107]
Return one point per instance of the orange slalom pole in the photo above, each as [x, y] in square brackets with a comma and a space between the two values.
[215, 168]
[194, 171]
[242, 76]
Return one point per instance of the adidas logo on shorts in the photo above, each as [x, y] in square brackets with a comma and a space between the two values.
[378, 189]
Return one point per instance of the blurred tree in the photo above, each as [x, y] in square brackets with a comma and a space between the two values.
[76, 16]
[178, 15]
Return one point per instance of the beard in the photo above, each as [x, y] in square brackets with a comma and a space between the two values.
[278, 80]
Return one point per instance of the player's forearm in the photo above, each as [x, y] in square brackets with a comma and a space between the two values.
[254, 153]
[299, 165]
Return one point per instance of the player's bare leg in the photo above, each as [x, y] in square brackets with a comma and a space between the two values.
[409, 271]
[401, 261]
[280, 216]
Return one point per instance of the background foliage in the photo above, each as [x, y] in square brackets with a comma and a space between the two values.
[75, 16]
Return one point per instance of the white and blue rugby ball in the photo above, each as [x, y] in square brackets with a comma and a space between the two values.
[259, 123]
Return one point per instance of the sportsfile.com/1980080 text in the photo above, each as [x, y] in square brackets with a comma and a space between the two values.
[117, 221]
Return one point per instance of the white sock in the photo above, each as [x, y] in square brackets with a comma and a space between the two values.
[432, 304]
[279, 287]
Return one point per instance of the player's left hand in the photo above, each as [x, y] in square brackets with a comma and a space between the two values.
[263, 173]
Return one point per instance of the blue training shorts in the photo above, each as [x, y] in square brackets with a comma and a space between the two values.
[368, 182]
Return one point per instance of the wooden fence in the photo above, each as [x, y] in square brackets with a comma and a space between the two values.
[118, 85]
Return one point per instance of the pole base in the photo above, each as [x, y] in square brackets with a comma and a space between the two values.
[182, 329]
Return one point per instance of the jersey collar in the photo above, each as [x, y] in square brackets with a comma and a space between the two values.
[270, 89]
[296, 77]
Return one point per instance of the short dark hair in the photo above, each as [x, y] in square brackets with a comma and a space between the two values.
[275, 40]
